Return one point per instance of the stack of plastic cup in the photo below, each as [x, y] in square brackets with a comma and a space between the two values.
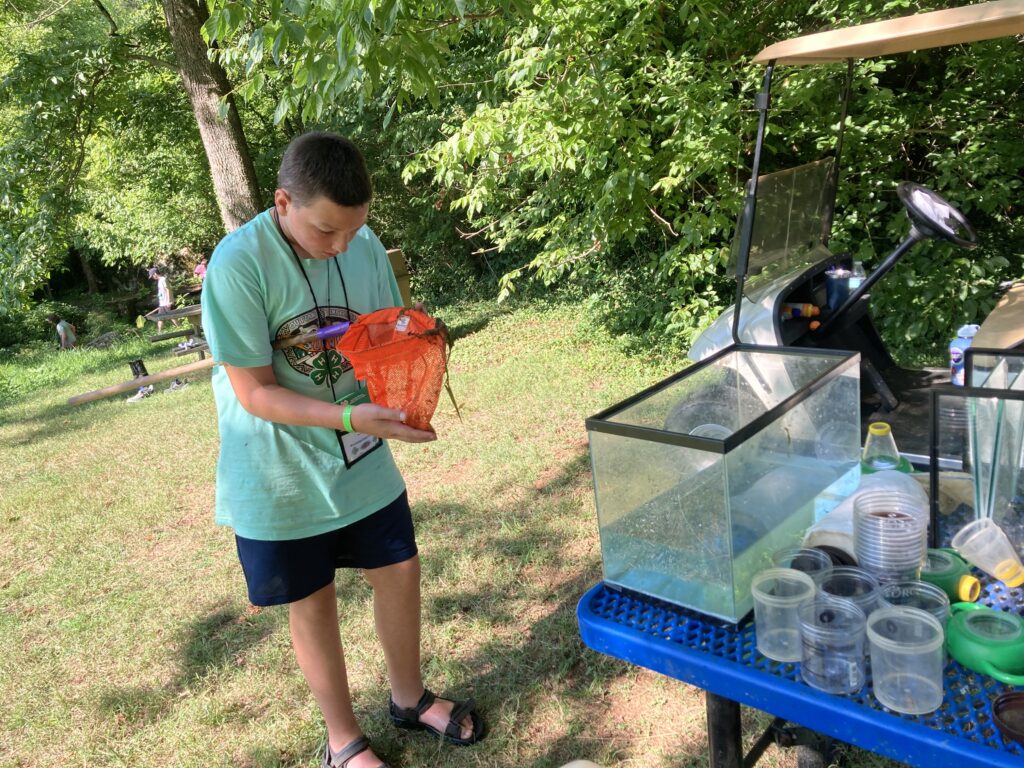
[906, 659]
[813, 562]
[984, 544]
[778, 594]
[832, 635]
[915, 594]
[853, 584]
[890, 535]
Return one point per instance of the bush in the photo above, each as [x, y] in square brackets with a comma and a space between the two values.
[29, 325]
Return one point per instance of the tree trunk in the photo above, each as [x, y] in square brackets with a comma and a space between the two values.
[90, 276]
[206, 82]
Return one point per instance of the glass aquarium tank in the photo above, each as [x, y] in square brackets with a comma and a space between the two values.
[700, 478]
[978, 448]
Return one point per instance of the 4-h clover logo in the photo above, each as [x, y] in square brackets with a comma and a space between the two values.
[327, 363]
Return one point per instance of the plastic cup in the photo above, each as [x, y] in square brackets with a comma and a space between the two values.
[778, 594]
[906, 659]
[890, 532]
[853, 584]
[837, 287]
[984, 544]
[832, 635]
[813, 562]
[915, 594]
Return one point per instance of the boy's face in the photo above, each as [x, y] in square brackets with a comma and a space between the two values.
[321, 229]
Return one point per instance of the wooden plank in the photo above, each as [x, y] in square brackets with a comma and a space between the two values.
[401, 269]
[171, 334]
[201, 349]
[115, 389]
[174, 314]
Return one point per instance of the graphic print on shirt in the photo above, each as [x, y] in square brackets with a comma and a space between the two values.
[311, 359]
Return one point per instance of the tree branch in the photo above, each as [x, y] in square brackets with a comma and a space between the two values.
[44, 17]
[668, 226]
[152, 60]
[109, 18]
[459, 19]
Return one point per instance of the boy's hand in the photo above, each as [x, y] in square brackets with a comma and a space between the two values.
[388, 423]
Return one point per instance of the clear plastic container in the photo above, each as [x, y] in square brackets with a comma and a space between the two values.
[889, 535]
[832, 635]
[853, 584]
[984, 544]
[813, 562]
[880, 450]
[907, 659]
[778, 594]
[915, 594]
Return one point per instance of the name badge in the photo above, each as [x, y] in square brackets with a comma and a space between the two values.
[356, 445]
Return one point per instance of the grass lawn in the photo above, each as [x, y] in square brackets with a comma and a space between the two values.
[126, 638]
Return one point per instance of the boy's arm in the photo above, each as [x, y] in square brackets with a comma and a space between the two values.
[259, 393]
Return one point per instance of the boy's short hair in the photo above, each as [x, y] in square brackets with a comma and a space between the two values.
[320, 163]
[52, 318]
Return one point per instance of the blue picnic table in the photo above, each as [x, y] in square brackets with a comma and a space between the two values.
[723, 660]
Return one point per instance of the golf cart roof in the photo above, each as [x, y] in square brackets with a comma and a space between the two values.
[971, 23]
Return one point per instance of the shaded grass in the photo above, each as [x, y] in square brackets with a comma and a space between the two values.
[126, 637]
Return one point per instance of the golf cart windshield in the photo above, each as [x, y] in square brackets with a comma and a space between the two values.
[791, 224]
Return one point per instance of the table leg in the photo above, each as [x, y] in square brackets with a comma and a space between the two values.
[725, 748]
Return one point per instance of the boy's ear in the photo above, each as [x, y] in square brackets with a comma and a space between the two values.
[282, 201]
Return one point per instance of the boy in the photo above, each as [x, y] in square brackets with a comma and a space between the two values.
[66, 338]
[306, 484]
[163, 296]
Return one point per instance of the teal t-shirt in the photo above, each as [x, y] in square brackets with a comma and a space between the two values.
[69, 335]
[278, 481]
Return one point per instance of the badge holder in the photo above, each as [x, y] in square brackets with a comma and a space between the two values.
[356, 445]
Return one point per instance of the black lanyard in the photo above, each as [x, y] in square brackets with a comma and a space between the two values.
[316, 305]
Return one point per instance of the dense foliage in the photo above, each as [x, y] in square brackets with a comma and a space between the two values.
[608, 143]
[604, 145]
[100, 152]
[622, 135]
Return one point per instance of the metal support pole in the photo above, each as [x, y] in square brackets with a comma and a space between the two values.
[762, 102]
[725, 749]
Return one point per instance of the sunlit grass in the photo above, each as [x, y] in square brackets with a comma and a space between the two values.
[125, 633]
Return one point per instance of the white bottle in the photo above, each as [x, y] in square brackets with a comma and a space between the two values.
[857, 276]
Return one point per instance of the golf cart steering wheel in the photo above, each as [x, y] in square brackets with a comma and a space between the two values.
[933, 217]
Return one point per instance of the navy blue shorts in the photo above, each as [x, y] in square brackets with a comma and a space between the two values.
[278, 572]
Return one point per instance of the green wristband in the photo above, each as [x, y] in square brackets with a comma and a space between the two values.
[346, 418]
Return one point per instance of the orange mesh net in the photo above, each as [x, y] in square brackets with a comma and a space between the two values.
[401, 354]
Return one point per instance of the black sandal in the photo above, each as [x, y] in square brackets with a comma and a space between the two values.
[341, 758]
[410, 719]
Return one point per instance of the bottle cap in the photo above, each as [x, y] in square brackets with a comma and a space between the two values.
[967, 331]
[968, 589]
[879, 428]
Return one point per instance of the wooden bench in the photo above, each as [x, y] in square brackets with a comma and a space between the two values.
[200, 348]
[171, 334]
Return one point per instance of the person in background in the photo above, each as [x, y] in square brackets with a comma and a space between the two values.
[305, 476]
[66, 332]
[163, 296]
[200, 270]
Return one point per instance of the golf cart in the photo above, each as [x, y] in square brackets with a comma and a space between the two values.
[792, 290]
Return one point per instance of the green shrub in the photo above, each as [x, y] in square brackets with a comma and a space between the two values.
[28, 325]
